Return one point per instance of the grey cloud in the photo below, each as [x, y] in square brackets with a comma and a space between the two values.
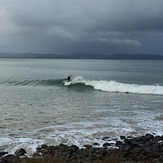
[69, 26]
[119, 41]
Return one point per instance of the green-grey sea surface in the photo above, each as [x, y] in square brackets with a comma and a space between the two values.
[105, 98]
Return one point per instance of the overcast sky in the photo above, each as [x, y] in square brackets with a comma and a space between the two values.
[81, 26]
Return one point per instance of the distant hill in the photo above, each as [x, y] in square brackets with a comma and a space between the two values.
[120, 56]
[83, 56]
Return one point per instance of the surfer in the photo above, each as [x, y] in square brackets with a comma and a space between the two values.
[69, 78]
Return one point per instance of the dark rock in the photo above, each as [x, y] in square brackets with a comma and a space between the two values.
[11, 159]
[128, 142]
[62, 145]
[23, 158]
[3, 153]
[143, 139]
[106, 144]
[44, 146]
[105, 138]
[96, 144]
[45, 152]
[87, 146]
[122, 137]
[158, 147]
[148, 137]
[148, 150]
[147, 144]
[75, 148]
[20, 152]
[161, 158]
[37, 155]
[129, 137]
[157, 139]
[51, 149]
[162, 137]
[118, 144]
[127, 148]
[38, 149]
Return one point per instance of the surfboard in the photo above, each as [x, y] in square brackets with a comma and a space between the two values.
[67, 82]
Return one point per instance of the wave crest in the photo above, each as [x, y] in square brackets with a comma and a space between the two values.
[113, 86]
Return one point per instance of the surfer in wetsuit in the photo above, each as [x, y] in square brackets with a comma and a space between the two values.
[69, 78]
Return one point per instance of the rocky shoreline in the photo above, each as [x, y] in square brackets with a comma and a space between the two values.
[146, 148]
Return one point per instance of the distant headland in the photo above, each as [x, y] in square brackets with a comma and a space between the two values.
[119, 56]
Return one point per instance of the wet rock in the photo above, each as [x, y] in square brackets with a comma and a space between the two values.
[37, 155]
[38, 149]
[11, 159]
[143, 139]
[157, 139]
[161, 158]
[159, 147]
[87, 146]
[51, 149]
[118, 144]
[3, 153]
[127, 148]
[96, 144]
[129, 137]
[44, 146]
[45, 152]
[105, 138]
[128, 142]
[106, 144]
[148, 137]
[74, 148]
[20, 152]
[122, 137]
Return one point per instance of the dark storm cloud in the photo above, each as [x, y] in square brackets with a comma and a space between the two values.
[75, 26]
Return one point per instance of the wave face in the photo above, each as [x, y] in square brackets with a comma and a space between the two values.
[113, 86]
[48, 82]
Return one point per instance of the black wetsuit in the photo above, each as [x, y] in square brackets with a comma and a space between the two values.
[68, 78]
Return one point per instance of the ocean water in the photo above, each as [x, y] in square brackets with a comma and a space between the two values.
[105, 98]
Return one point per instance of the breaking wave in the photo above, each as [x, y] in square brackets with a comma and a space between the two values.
[113, 86]
[102, 85]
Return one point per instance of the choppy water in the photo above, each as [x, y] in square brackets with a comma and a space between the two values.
[104, 98]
